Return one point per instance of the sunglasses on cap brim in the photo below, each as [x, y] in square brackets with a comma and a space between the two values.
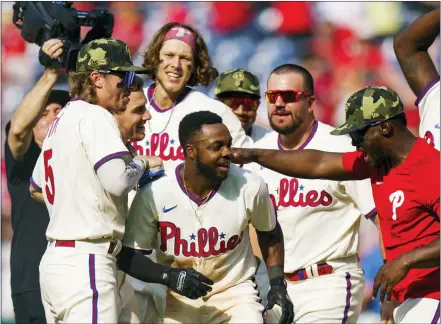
[127, 76]
[288, 96]
[357, 136]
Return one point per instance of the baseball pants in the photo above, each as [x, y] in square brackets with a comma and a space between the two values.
[238, 304]
[418, 310]
[331, 298]
[80, 285]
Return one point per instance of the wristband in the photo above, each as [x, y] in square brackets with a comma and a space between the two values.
[144, 162]
[275, 271]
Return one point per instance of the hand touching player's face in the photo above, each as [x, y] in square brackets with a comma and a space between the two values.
[131, 122]
[213, 151]
[175, 66]
[45, 120]
[286, 117]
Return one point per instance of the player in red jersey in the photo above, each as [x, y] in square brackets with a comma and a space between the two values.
[405, 178]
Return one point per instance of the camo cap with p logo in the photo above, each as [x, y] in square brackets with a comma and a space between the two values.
[106, 54]
[368, 106]
[237, 80]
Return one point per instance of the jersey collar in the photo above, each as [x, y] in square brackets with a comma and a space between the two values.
[310, 136]
[195, 199]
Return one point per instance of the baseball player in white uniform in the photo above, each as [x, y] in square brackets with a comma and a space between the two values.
[178, 59]
[84, 174]
[411, 48]
[319, 218]
[198, 216]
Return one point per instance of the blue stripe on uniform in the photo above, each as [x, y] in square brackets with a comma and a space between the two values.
[348, 298]
[436, 317]
[92, 280]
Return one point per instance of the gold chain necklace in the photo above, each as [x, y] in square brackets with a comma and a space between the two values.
[148, 109]
[204, 204]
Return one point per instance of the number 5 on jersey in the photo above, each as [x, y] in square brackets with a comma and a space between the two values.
[49, 175]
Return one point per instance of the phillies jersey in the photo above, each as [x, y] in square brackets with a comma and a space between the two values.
[209, 235]
[162, 130]
[407, 200]
[79, 140]
[319, 218]
[428, 103]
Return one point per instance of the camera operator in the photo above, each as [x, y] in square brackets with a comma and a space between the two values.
[24, 137]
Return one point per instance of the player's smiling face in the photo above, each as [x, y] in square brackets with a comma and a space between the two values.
[286, 117]
[131, 122]
[213, 151]
[175, 66]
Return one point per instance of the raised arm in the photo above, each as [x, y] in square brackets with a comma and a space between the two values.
[411, 47]
[306, 164]
[28, 113]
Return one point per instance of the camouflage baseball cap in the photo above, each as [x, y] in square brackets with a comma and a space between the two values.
[237, 80]
[106, 54]
[368, 106]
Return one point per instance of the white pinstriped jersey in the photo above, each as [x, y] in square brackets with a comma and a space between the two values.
[319, 218]
[79, 140]
[210, 236]
[428, 103]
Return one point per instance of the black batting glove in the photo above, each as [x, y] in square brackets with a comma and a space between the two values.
[279, 295]
[187, 282]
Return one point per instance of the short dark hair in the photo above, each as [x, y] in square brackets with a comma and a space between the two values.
[294, 68]
[191, 124]
[60, 97]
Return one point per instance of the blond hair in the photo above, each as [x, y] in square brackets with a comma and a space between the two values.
[81, 86]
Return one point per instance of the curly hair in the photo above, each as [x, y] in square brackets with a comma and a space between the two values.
[204, 73]
[81, 86]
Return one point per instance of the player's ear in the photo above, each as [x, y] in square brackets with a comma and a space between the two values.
[387, 129]
[311, 102]
[191, 151]
[97, 79]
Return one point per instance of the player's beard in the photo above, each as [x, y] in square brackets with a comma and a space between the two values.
[287, 128]
[209, 172]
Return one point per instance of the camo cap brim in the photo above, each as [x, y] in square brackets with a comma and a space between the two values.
[106, 54]
[237, 80]
[368, 106]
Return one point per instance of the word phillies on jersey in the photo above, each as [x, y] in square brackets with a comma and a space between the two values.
[158, 145]
[290, 195]
[205, 241]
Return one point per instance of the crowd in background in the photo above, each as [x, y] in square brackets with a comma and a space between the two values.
[345, 45]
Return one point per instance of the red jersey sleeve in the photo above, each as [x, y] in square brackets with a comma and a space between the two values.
[354, 163]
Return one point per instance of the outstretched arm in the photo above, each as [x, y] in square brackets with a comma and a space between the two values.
[306, 164]
[411, 47]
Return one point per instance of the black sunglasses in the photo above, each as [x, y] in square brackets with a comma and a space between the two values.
[127, 77]
[357, 136]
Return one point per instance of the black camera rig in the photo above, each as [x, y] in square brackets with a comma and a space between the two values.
[40, 21]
